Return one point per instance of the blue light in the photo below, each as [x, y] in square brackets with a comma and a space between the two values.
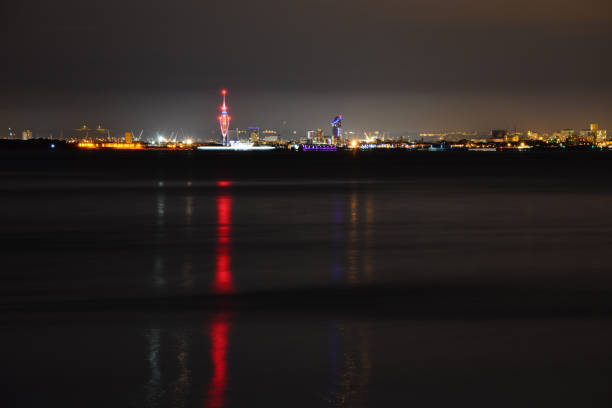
[52, 145]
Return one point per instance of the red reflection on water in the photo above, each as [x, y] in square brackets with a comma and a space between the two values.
[224, 183]
[223, 275]
[218, 332]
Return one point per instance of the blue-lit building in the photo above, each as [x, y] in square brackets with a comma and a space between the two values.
[336, 129]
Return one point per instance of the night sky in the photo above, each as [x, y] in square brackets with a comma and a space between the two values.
[397, 65]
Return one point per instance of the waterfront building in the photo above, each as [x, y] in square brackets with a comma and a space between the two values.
[499, 135]
[602, 135]
[242, 135]
[515, 136]
[270, 135]
[336, 129]
[26, 134]
[532, 135]
[97, 134]
[320, 136]
[253, 134]
[587, 136]
[566, 134]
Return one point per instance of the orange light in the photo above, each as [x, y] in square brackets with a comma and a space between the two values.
[223, 92]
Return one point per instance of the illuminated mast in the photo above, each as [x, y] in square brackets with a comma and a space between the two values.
[224, 119]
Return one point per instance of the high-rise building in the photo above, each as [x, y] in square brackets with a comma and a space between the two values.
[320, 136]
[336, 129]
[26, 134]
[598, 135]
[128, 137]
[284, 131]
[311, 135]
[254, 134]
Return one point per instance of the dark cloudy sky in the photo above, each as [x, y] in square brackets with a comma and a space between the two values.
[400, 65]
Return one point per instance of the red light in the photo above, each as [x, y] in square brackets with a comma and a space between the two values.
[223, 282]
[219, 334]
[224, 183]
[223, 92]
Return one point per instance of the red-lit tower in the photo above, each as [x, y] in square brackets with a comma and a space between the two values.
[224, 119]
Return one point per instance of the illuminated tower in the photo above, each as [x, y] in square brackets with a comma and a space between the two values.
[336, 129]
[224, 119]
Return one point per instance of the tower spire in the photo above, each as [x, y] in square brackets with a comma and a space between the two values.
[224, 119]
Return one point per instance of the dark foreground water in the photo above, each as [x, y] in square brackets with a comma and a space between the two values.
[312, 279]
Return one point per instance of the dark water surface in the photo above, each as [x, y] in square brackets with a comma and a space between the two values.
[305, 279]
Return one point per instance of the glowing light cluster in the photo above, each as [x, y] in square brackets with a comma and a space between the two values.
[322, 148]
[110, 145]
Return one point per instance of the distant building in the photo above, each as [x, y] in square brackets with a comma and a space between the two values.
[598, 135]
[566, 134]
[26, 134]
[311, 135]
[587, 136]
[97, 134]
[320, 136]
[254, 134]
[270, 138]
[128, 137]
[499, 135]
[284, 131]
[336, 129]
[515, 136]
[242, 135]
[532, 135]
[375, 135]
[602, 135]
[269, 135]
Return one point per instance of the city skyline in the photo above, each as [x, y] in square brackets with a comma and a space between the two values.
[400, 66]
[198, 114]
